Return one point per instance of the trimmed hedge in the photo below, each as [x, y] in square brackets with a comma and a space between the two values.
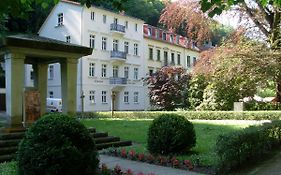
[190, 115]
[248, 146]
[254, 106]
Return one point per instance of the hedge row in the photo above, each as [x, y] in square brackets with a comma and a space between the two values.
[248, 146]
[190, 115]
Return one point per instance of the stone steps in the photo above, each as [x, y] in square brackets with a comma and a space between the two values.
[9, 142]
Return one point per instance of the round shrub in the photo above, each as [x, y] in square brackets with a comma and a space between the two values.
[169, 134]
[57, 144]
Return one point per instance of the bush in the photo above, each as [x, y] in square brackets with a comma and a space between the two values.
[170, 133]
[250, 145]
[254, 106]
[191, 115]
[57, 144]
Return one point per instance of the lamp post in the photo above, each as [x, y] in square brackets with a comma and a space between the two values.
[82, 100]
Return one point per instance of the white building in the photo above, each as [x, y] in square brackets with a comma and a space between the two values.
[116, 66]
[125, 51]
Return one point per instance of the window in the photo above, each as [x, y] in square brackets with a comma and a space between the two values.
[173, 58]
[126, 24]
[136, 27]
[136, 73]
[126, 72]
[92, 96]
[51, 72]
[103, 96]
[91, 69]
[115, 21]
[194, 61]
[115, 71]
[92, 41]
[104, 19]
[164, 36]
[150, 53]
[149, 32]
[136, 97]
[67, 39]
[135, 49]
[31, 74]
[51, 94]
[179, 59]
[93, 16]
[188, 61]
[126, 97]
[126, 47]
[156, 33]
[150, 72]
[158, 55]
[60, 19]
[171, 38]
[115, 45]
[103, 70]
[165, 58]
[103, 43]
[178, 39]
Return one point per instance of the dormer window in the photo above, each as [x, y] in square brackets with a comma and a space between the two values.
[156, 33]
[60, 19]
[149, 32]
[171, 38]
[178, 39]
[164, 36]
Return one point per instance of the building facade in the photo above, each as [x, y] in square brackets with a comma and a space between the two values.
[125, 51]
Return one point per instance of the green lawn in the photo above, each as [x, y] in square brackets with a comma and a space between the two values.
[136, 130]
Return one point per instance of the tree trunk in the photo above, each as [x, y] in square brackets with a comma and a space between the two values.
[278, 90]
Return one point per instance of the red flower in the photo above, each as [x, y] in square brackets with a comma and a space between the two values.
[123, 153]
[132, 154]
[117, 170]
[141, 157]
[175, 162]
[129, 172]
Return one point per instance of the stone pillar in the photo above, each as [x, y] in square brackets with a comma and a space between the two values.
[14, 69]
[41, 82]
[69, 85]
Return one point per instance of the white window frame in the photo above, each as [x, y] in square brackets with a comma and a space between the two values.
[103, 70]
[51, 94]
[136, 73]
[115, 71]
[60, 19]
[136, 49]
[149, 32]
[150, 53]
[103, 97]
[126, 47]
[103, 43]
[179, 59]
[91, 69]
[136, 97]
[158, 54]
[92, 15]
[68, 39]
[126, 71]
[51, 72]
[92, 97]
[126, 97]
[115, 45]
[104, 19]
[92, 41]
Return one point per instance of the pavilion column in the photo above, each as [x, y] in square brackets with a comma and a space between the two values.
[14, 71]
[40, 82]
[69, 85]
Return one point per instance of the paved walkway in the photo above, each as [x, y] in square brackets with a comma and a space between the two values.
[138, 167]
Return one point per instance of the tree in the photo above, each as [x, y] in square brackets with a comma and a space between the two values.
[167, 87]
[265, 16]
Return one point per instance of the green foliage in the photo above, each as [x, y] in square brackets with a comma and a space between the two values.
[167, 87]
[170, 133]
[254, 106]
[247, 146]
[197, 84]
[57, 144]
[192, 115]
[8, 168]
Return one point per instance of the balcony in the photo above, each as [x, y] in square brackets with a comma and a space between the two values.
[117, 81]
[117, 28]
[118, 56]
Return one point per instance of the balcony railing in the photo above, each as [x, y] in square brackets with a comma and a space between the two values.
[118, 80]
[118, 54]
[117, 28]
